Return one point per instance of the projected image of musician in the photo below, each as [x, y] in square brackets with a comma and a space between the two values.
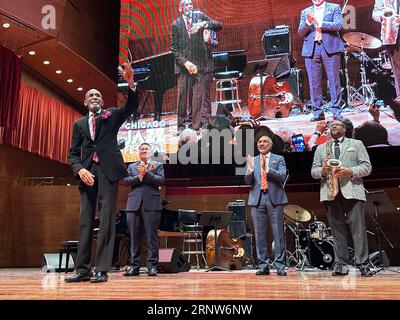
[319, 27]
[387, 12]
[191, 42]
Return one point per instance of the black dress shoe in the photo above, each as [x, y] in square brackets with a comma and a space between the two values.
[152, 272]
[281, 272]
[262, 272]
[338, 270]
[318, 118]
[133, 271]
[78, 277]
[99, 276]
[366, 272]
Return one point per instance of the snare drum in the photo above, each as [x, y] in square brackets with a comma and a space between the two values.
[318, 230]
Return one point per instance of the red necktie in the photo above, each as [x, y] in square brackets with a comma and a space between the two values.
[264, 183]
[189, 26]
[95, 157]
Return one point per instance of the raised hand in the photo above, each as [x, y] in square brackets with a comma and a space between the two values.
[127, 74]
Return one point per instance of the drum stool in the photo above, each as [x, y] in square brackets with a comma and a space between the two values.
[227, 81]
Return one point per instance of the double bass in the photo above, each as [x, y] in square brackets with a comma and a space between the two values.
[277, 96]
[230, 250]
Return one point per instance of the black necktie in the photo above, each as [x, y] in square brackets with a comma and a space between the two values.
[337, 149]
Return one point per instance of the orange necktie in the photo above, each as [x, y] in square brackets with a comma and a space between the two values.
[264, 183]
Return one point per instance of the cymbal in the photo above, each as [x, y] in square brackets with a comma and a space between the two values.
[362, 40]
[351, 48]
[297, 213]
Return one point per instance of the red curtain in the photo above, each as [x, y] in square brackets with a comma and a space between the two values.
[44, 125]
[10, 77]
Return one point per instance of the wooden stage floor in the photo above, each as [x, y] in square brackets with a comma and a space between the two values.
[32, 284]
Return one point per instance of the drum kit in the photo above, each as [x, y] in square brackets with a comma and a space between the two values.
[355, 44]
[313, 246]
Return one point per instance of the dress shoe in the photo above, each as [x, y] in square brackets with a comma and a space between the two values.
[262, 272]
[281, 272]
[318, 118]
[339, 270]
[152, 272]
[99, 276]
[133, 271]
[366, 272]
[78, 277]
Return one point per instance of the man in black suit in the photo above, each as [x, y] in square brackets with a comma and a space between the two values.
[144, 208]
[191, 47]
[97, 161]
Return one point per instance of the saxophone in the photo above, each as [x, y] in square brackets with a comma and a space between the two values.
[389, 28]
[332, 179]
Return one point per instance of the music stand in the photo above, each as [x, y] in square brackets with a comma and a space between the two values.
[262, 67]
[377, 203]
[215, 219]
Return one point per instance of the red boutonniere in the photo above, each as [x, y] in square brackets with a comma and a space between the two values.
[152, 167]
[106, 115]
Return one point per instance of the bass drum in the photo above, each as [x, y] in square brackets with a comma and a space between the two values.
[321, 252]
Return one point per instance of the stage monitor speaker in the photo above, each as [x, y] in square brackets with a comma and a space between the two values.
[375, 259]
[172, 261]
[277, 41]
[50, 262]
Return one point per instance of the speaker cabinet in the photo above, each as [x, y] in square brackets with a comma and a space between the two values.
[277, 41]
[172, 261]
[50, 262]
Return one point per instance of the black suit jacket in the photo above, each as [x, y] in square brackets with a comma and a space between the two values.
[105, 144]
[194, 48]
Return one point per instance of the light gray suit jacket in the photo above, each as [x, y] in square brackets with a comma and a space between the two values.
[275, 178]
[146, 191]
[354, 156]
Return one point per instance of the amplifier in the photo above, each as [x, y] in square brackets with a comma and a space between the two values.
[277, 41]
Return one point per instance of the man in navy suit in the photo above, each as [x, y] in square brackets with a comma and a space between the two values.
[144, 208]
[98, 164]
[266, 174]
[319, 27]
[193, 64]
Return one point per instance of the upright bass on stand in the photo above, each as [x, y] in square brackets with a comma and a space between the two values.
[267, 97]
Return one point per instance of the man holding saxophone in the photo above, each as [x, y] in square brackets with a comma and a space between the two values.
[341, 163]
[387, 12]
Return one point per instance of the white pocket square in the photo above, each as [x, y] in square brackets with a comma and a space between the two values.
[351, 150]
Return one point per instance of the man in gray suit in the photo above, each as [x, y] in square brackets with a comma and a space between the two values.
[391, 39]
[144, 208]
[319, 27]
[348, 205]
[265, 175]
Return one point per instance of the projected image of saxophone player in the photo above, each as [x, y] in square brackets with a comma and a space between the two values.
[386, 12]
[340, 164]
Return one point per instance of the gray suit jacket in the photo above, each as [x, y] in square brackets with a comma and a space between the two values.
[275, 178]
[146, 191]
[331, 25]
[353, 155]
